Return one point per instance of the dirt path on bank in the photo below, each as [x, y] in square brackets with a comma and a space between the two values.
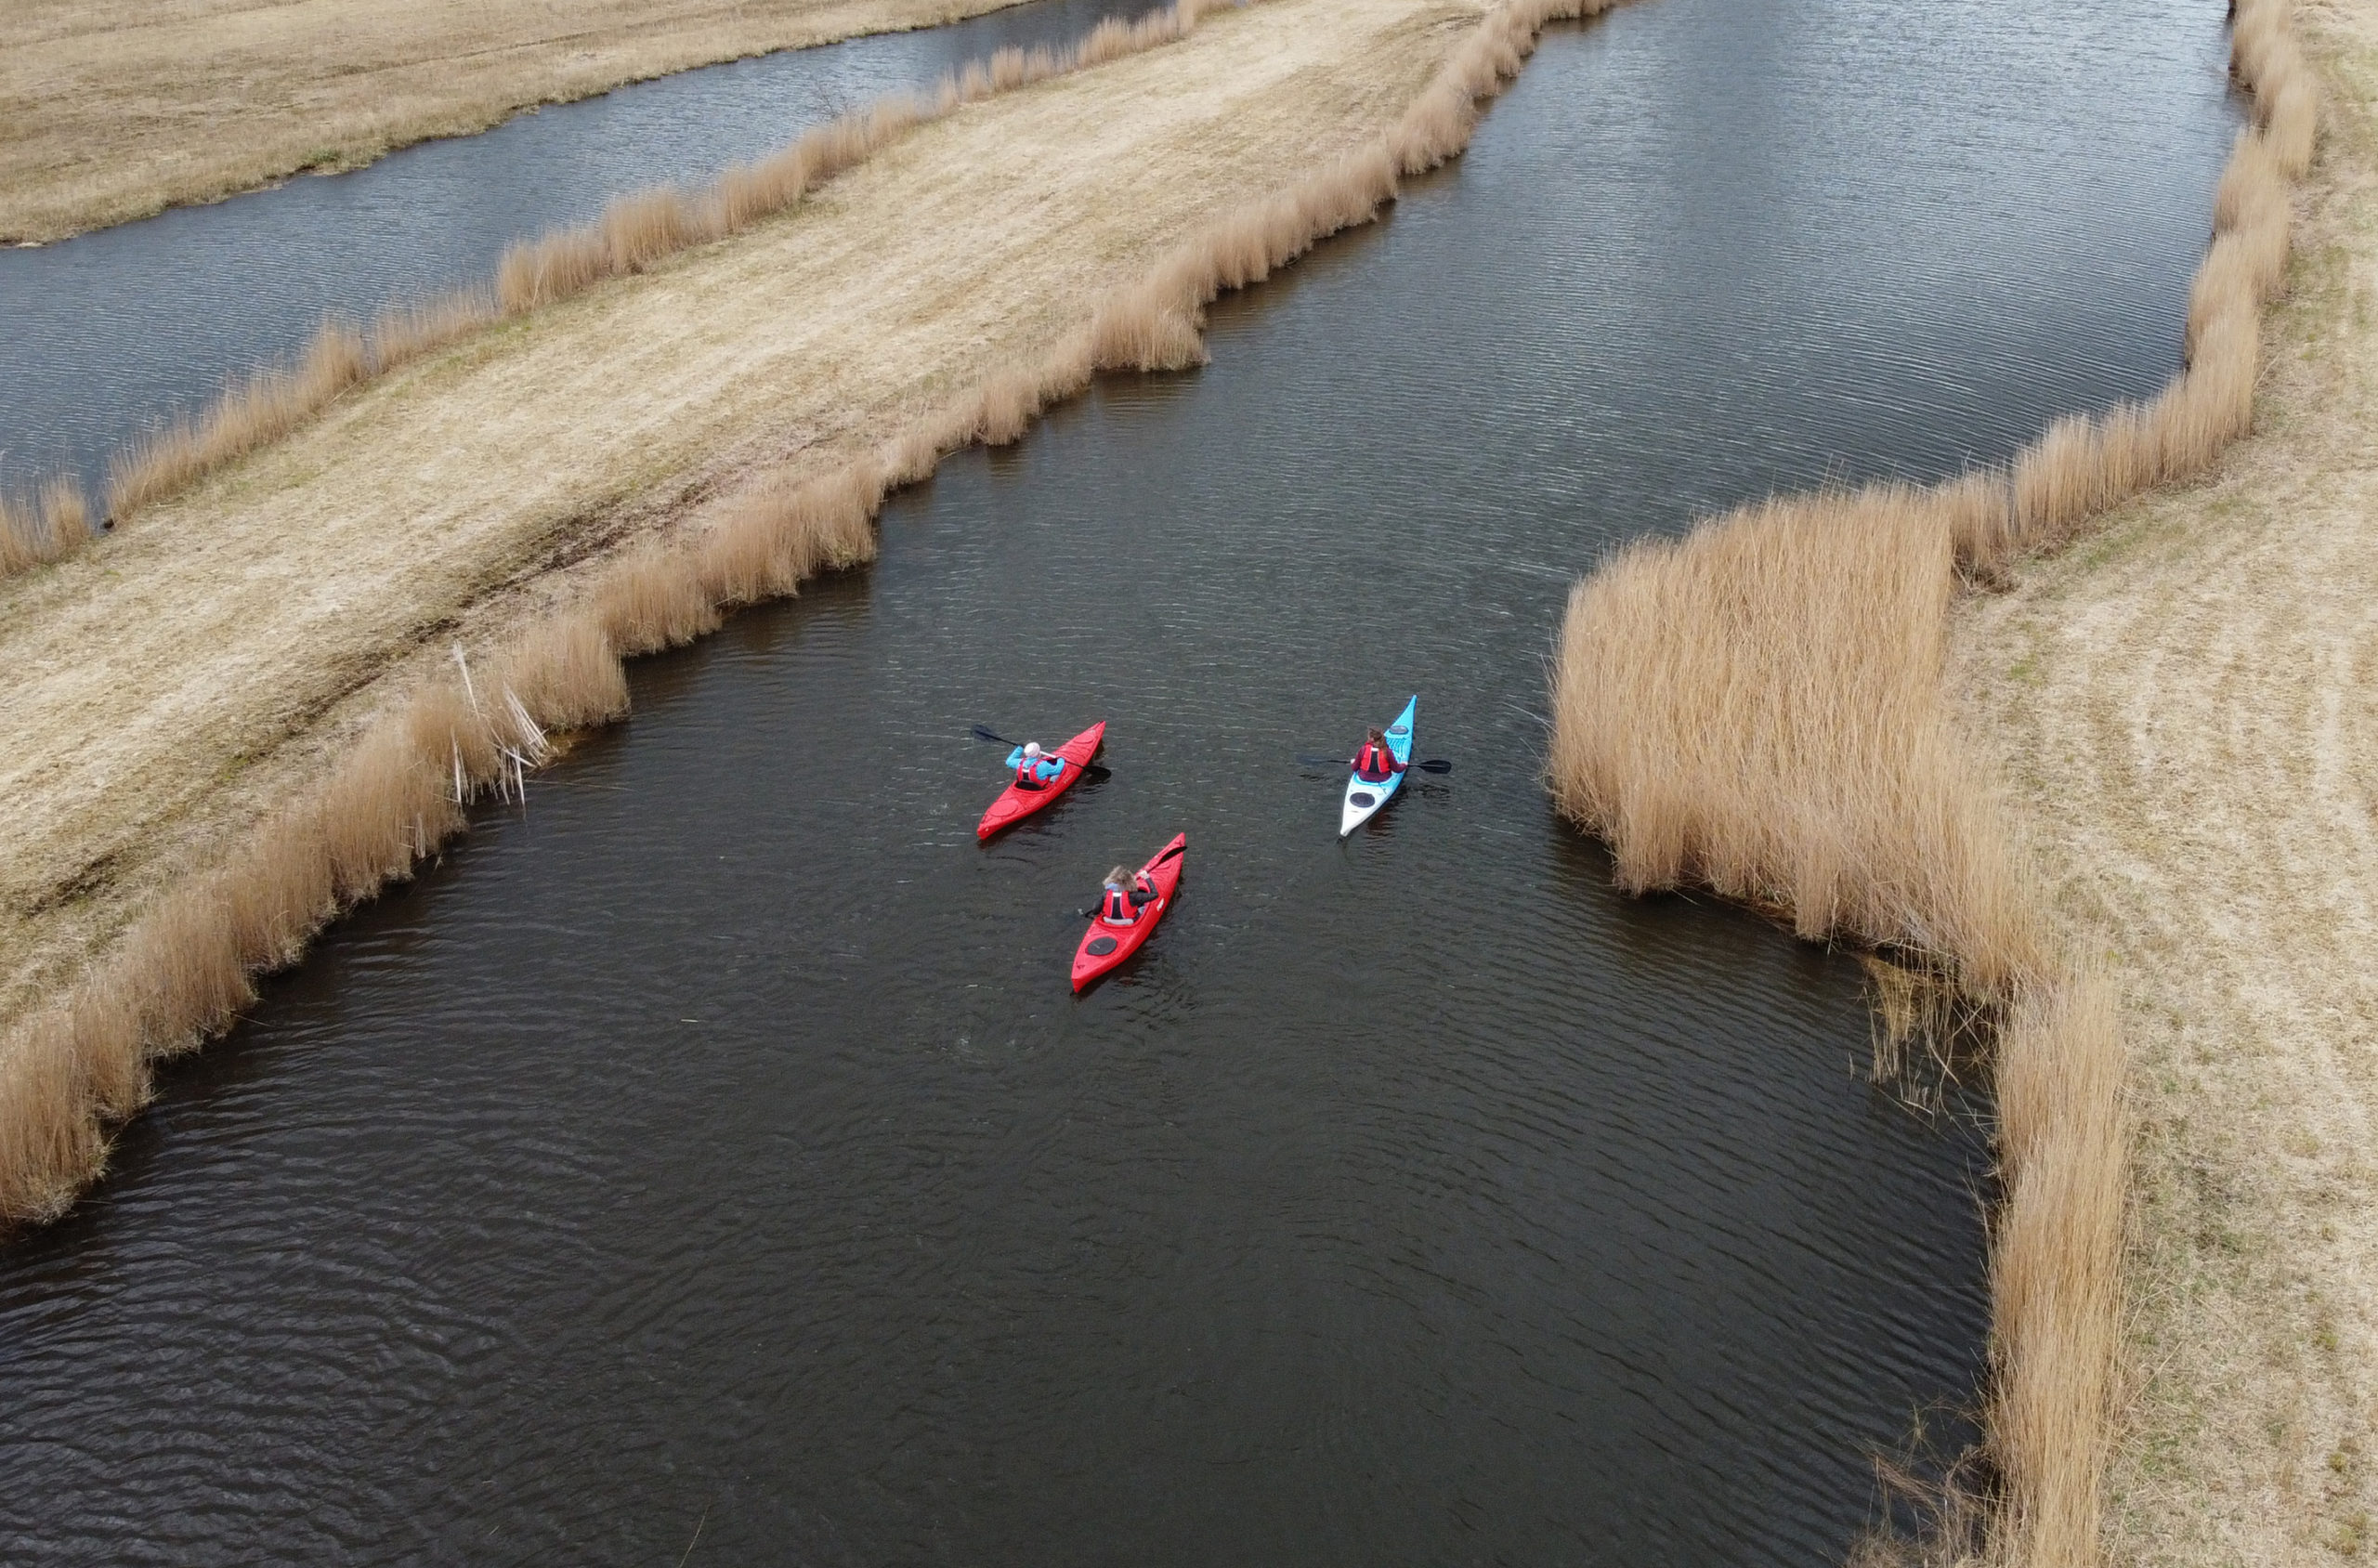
[111, 110]
[186, 675]
[2188, 709]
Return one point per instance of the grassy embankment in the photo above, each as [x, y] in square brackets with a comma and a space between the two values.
[112, 109]
[1760, 708]
[276, 690]
[634, 232]
[2183, 708]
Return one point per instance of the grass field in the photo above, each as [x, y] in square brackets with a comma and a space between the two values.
[112, 109]
[2185, 708]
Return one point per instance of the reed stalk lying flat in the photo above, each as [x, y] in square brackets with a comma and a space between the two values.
[1757, 708]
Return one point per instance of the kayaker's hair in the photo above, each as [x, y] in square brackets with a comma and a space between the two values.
[1757, 708]
[1120, 876]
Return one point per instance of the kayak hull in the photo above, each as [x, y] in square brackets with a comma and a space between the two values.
[1367, 798]
[1104, 947]
[1013, 804]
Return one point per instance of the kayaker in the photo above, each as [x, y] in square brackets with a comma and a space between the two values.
[1035, 770]
[1375, 762]
[1126, 894]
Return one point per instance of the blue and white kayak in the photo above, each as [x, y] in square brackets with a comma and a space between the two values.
[1365, 796]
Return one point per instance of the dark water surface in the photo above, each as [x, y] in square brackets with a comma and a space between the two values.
[715, 1150]
[112, 332]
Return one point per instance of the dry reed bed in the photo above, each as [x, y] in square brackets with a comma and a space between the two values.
[1757, 707]
[182, 971]
[636, 232]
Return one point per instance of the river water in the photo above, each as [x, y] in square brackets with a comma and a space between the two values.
[712, 1157]
[114, 331]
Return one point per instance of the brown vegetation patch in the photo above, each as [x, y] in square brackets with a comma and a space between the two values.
[1759, 708]
[2184, 706]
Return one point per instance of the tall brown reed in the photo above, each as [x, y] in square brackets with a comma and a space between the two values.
[1757, 708]
[2055, 1264]
[268, 404]
[22, 538]
[83, 1062]
[639, 229]
[55, 525]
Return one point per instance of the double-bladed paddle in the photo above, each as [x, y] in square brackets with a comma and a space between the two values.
[982, 733]
[1434, 765]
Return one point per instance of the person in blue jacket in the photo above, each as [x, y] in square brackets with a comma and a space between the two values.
[1035, 770]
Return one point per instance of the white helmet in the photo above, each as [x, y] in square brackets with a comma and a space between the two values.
[1032, 748]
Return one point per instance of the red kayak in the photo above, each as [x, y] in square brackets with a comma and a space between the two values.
[1104, 944]
[1013, 804]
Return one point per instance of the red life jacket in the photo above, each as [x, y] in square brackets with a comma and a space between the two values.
[1123, 904]
[1027, 773]
[1375, 762]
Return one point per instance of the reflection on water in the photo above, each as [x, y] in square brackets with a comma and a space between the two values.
[115, 331]
[716, 1147]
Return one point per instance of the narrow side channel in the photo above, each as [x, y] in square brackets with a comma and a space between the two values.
[636, 230]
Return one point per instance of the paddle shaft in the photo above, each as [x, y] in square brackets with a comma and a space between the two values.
[983, 734]
[1434, 765]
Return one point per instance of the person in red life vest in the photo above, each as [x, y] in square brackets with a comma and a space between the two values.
[1035, 770]
[1126, 895]
[1375, 762]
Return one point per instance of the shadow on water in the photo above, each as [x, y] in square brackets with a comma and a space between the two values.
[716, 1144]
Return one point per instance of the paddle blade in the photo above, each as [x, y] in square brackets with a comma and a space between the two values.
[983, 734]
[1434, 765]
